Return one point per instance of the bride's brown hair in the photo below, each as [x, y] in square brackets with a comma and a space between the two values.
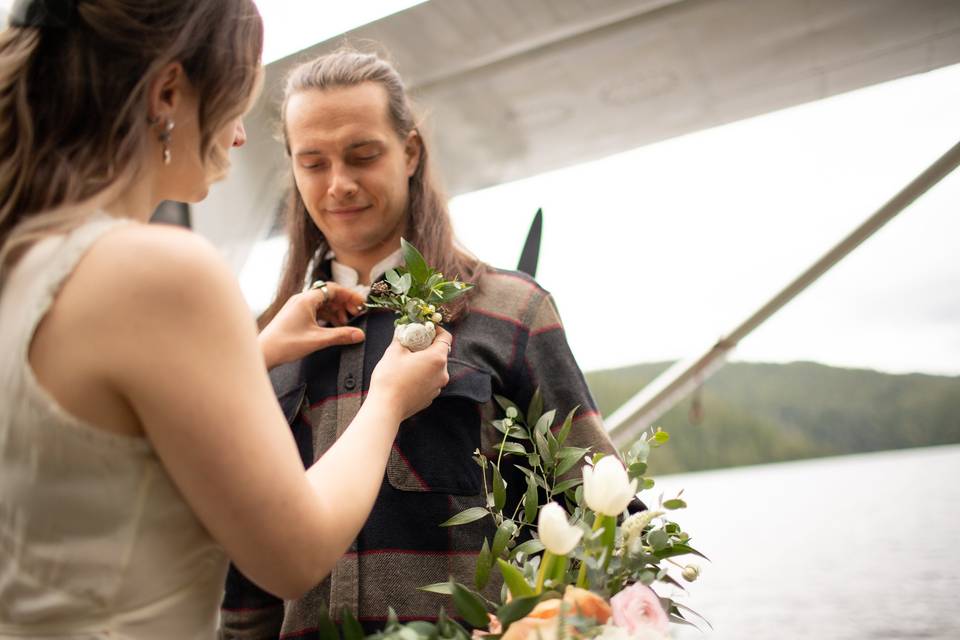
[73, 98]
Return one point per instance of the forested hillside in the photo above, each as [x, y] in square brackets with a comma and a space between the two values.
[754, 413]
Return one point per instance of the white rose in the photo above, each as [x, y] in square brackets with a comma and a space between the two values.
[415, 336]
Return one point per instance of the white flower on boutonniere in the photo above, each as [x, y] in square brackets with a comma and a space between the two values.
[416, 293]
[416, 336]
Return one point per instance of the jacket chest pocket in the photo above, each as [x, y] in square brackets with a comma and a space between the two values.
[433, 451]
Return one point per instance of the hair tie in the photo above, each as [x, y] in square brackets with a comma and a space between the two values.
[44, 14]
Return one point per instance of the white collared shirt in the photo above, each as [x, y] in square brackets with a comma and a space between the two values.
[348, 277]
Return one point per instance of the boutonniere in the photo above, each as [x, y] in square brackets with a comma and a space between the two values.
[417, 293]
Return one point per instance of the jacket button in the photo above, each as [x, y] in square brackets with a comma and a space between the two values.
[349, 382]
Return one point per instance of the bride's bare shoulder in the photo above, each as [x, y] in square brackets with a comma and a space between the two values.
[154, 266]
[137, 246]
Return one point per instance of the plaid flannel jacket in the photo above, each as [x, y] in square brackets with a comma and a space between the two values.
[509, 343]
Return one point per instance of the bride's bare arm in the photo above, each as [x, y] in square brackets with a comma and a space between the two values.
[188, 362]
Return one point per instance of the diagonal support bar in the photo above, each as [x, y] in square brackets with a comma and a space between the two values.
[639, 412]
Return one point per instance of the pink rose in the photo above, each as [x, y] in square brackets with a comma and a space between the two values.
[637, 608]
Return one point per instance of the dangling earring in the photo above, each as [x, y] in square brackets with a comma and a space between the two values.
[165, 136]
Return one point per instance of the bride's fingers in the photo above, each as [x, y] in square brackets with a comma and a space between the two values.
[330, 336]
[336, 316]
[344, 298]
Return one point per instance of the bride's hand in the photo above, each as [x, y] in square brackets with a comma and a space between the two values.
[294, 332]
[410, 381]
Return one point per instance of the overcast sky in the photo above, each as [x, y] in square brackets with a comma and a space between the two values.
[655, 253]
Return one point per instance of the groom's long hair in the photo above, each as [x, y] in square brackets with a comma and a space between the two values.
[428, 221]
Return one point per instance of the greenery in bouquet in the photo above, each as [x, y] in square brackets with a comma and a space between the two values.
[417, 293]
[574, 562]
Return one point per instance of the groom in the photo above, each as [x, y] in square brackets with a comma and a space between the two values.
[362, 180]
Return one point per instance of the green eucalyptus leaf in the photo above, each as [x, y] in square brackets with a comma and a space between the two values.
[466, 516]
[470, 606]
[513, 448]
[505, 403]
[498, 425]
[636, 470]
[499, 490]
[405, 283]
[682, 607]
[350, 627]
[414, 261]
[674, 503]
[639, 452]
[647, 484]
[545, 421]
[513, 578]
[481, 574]
[504, 534]
[658, 539]
[542, 447]
[516, 609]
[567, 425]
[684, 549]
[567, 484]
[529, 547]
[553, 444]
[443, 588]
[535, 410]
[568, 458]
[393, 277]
[559, 573]
[326, 628]
[448, 291]
[530, 501]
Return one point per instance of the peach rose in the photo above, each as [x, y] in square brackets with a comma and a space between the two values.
[493, 628]
[534, 628]
[543, 623]
[587, 604]
[637, 608]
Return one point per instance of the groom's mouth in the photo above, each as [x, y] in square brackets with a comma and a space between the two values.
[348, 211]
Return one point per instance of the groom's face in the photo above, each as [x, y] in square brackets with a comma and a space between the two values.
[351, 167]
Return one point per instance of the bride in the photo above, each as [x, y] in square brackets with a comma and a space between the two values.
[141, 446]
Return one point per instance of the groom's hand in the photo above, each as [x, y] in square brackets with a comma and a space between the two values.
[294, 332]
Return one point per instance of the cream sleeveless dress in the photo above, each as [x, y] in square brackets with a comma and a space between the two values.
[95, 540]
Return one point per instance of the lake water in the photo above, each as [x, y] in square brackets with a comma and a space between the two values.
[864, 546]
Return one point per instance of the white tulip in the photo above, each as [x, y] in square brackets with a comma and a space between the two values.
[556, 534]
[606, 487]
[416, 336]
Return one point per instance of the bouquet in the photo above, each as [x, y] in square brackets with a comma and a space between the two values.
[417, 294]
[574, 563]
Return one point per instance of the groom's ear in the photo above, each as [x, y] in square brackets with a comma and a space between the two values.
[413, 149]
